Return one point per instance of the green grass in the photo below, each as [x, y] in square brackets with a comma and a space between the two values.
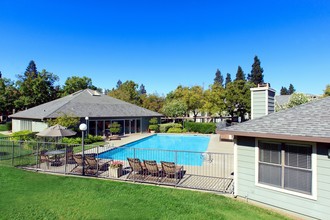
[29, 195]
[2, 135]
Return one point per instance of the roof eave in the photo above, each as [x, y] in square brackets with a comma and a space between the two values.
[278, 136]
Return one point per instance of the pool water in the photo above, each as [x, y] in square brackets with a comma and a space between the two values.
[181, 149]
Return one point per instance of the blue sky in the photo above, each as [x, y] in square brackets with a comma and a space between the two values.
[163, 44]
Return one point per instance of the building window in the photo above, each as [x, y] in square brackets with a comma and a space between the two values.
[286, 166]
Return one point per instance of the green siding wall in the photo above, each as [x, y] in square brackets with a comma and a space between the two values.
[258, 102]
[246, 188]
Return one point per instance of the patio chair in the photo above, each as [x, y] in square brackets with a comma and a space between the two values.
[153, 169]
[69, 156]
[137, 169]
[43, 158]
[172, 171]
[95, 165]
[79, 163]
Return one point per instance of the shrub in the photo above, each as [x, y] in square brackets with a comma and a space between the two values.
[77, 140]
[174, 130]
[204, 128]
[25, 135]
[163, 128]
[115, 128]
[153, 121]
[153, 127]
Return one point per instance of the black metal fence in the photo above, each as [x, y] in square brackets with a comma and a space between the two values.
[198, 170]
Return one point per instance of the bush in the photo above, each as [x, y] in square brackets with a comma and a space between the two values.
[153, 121]
[163, 128]
[9, 126]
[25, 135]
[77, 140]
[115, 128]
[153, 128]
[203, 128]
[174, 130]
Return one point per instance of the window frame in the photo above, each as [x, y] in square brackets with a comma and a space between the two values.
[313, 194]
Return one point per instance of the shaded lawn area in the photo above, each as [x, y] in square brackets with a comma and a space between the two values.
[2, 135]
[29, 195]
[3, 127]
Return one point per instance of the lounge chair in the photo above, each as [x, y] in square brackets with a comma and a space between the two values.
[137, 169]
[172, 171]
[95, 165]
[153, 169]
[79, 163]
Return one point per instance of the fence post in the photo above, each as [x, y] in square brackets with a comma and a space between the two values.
[176, 163]
[66, 158]
[12, 153]
[37, 155]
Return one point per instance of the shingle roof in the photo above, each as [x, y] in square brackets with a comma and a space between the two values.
[86, 103]
[309, 121]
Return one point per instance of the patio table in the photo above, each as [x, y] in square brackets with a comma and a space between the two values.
[57, 161]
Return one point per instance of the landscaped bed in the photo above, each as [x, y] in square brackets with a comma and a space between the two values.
[29, 195]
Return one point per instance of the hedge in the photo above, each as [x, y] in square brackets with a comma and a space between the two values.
[174, 130]
[204, 128]
[163, 128]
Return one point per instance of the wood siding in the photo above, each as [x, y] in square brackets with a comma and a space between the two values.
[247, 188]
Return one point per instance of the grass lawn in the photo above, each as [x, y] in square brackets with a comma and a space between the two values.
[2, 135]
[29, 195]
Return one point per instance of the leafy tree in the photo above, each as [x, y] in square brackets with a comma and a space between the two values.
[214, 100]
[127, 92]
[35, 88]
[218, 78]
[76, 83]
[297, 99]
[256, 75]
[69, 121]
[142, 90]
[8, 95]
[291, 89]
[174, 108]
[240, 74]
[119, 83]
[327, 91]
[115, 128]
[194, 100]
[228, 79]
[238, 98]
[153, 102]
[284, 91]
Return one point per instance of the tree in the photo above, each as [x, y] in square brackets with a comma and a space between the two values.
[35, 88]
[75, 83]
[142, 90]
[228, 79]
[240, 74]
[127, 92]
[174, 108]
[284, 91]
[291, 89]
[194, 100]
[327, 91]
[218, 78]
[256, 75]
[238, 98]
[69, 121]
[297, 99]
[214, 103]
[8, 95]
[153, 102]
[119, 83]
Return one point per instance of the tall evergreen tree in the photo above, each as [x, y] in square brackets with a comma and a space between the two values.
[142, 90]
[119, 83]
[240, 74]
[218, 78]
[256, 75]
[291, 89]
[284, 91]
[228, 79]
[31, 70]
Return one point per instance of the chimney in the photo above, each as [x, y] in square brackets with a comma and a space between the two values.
[262, 100]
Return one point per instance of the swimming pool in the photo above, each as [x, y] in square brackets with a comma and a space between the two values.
[182, 149]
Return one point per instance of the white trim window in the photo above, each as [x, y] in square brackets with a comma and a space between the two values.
[286, 166]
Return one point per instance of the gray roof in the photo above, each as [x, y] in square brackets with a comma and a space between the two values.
[282, 99]
[308, 122]
[86, 103]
